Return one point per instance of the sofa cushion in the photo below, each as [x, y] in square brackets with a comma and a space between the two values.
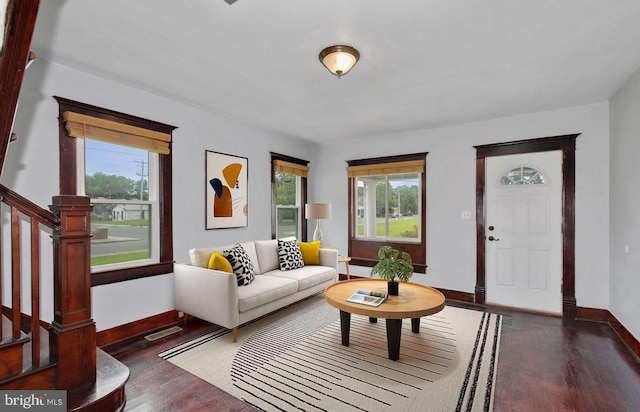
[250, 247]
[264, 289]
[310, 252]
[267, 252]
[200, 256]
[289, 254]
[241, 264]
[219, 262]
[307, 276]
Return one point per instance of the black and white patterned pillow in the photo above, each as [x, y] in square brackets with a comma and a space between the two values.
[241, 264]
[289, 254]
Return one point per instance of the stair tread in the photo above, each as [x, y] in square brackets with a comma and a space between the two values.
[111, 376]
[7, 330]
[10, 341]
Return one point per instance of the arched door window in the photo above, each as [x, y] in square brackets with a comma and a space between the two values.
[522, 175]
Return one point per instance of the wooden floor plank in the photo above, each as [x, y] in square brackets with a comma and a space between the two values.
[545, 364]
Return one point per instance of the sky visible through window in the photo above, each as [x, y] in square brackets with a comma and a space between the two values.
[117, 160]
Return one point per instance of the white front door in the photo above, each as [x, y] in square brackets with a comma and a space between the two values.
[523, 237]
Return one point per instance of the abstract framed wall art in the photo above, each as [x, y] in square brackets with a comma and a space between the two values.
[226, 190]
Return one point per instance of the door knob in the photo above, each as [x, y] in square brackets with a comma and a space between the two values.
[491, 238]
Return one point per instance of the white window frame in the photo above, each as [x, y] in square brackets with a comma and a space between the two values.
[297, 206]
[153, 202]
[372, 193]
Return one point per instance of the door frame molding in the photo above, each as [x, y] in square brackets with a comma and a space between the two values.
[565, 143]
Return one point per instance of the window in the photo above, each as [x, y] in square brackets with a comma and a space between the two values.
[124, 224]
[388, 207]
[289, 186]
[123, 163]
[522, 175]
[387, 201]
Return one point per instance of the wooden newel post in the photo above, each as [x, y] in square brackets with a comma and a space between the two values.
[72, 335]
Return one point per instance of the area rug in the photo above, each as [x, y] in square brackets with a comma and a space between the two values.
[293, 360]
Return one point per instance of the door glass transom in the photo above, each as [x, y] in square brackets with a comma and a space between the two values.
[522, 175]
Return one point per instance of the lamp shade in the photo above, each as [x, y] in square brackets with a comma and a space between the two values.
[339, 59]
[317, 210]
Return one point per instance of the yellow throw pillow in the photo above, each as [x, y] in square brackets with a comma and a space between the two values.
[219, 262]
[310, 252]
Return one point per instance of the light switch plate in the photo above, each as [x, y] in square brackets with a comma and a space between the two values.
[466, 215]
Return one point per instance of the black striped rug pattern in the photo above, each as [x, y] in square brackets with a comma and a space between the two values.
[297, 363]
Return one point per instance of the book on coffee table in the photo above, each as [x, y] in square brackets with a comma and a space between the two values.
[367, 297]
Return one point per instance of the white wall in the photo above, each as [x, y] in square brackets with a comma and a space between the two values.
[32, 170]
[451, 245]
[624, 199]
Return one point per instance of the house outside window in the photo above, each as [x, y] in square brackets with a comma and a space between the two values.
[289, 186]
[387, 202]
[121, 183]
[123, 163]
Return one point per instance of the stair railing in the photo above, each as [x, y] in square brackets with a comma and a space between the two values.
[72, 334]
[38, 216]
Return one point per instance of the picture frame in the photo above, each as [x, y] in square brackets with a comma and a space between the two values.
[226, 190]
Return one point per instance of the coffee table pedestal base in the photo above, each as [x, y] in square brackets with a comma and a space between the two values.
[394, 331]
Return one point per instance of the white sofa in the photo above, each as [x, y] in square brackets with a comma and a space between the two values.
[215, 296]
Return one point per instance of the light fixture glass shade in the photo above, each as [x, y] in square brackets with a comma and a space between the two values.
[339, 59]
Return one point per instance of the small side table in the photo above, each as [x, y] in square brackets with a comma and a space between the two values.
[345, 260]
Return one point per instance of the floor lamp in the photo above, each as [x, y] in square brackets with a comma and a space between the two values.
[317, 211]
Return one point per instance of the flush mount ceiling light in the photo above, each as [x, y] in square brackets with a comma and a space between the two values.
[339, 59]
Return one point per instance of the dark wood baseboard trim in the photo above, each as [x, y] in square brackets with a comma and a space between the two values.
[594, 314]
[625, 335]
[133, 330]
[457, 295]
[603, 315]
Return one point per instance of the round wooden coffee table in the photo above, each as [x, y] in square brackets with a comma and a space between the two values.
[413, 301]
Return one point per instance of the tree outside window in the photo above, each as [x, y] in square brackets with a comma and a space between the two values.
[117, 180]
[387, 201]
[123, 163]
[287, 205]
[289, 176]
[396, 211]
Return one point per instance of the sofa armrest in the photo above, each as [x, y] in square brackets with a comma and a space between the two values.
[329, 257]
[207, 294]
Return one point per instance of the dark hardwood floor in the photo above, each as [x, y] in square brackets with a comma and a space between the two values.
[545, 364]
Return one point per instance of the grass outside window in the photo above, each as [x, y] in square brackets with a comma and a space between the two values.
[403, 228]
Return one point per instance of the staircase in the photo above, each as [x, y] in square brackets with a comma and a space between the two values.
[62, 354]
[11, 349]
[19, 368]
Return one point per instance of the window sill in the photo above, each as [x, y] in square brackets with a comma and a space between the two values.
[121, 275]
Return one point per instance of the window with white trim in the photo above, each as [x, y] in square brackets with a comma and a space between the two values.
[387, 203]
[123, 186]
[388, 207]
[124, 164]
[289, 177]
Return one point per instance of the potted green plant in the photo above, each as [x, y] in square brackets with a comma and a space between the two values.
[393, 264]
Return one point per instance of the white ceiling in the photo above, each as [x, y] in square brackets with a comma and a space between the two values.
[423, 64]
